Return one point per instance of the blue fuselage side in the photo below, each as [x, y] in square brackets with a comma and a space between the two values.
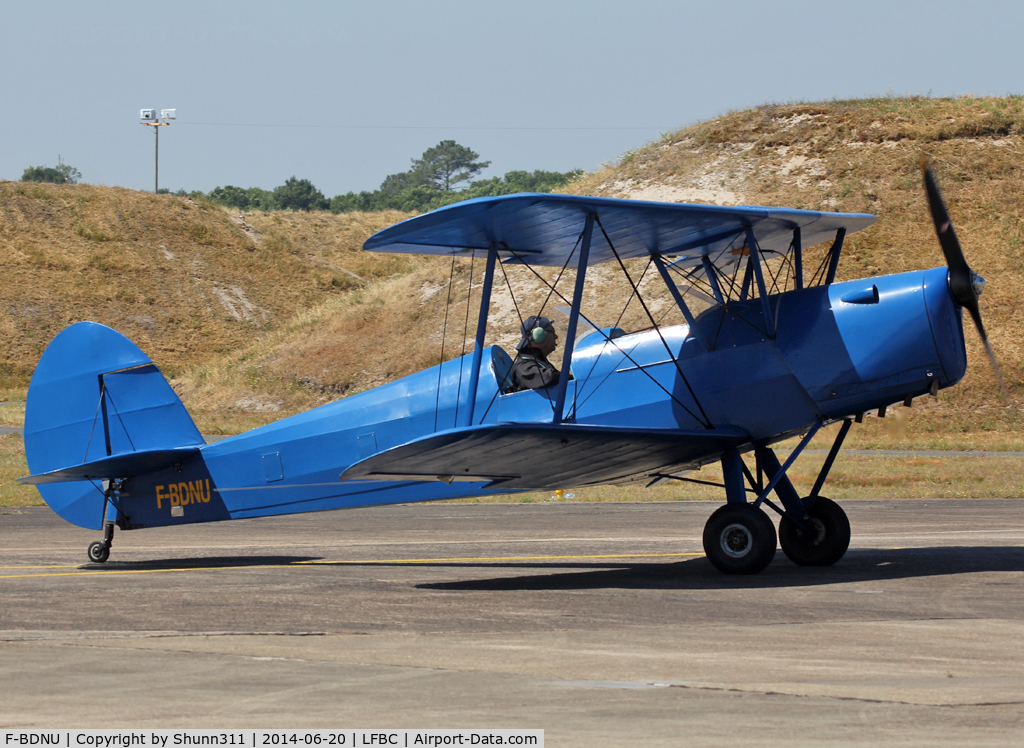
[834, 351]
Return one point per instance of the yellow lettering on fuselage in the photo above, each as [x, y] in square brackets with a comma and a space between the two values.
[182, 494]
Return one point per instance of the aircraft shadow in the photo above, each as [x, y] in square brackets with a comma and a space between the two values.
[862, 565]
[206, 562]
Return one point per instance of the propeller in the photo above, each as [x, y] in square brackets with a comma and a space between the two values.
[586, 322]
[964, 284]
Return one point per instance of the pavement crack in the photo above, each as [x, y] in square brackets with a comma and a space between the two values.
[857, 699]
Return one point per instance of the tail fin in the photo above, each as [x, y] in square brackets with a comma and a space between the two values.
[95, 395]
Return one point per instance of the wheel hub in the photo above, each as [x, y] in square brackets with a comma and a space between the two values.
[816, 530]
[736, 541]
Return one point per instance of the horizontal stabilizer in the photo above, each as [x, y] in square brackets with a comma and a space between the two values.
[116, 467]
[545, 456]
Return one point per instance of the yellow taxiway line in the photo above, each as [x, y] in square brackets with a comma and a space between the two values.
[91, 571]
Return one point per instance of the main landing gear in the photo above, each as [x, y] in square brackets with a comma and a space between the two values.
[740, 538]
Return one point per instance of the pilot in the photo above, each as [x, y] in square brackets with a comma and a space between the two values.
[532, 370]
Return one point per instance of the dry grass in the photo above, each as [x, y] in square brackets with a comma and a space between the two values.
[12, 413]
[12, 467]
[181, 278]
[316, 357]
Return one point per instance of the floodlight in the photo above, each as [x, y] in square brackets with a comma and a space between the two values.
[149, 119]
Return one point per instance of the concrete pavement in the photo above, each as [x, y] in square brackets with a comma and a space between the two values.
[600, 623]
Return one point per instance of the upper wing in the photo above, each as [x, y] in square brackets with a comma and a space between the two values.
[542, 229]
[545, 456]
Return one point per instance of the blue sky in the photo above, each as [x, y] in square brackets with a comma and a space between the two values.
[345, 93]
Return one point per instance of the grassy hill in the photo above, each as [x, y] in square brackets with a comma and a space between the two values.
[259, 316]
[187, 281]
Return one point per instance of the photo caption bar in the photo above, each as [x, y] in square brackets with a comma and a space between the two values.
[260, 738]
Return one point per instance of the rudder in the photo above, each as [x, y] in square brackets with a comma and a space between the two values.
[95, 394]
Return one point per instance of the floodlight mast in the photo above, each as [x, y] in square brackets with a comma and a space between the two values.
[149, 118]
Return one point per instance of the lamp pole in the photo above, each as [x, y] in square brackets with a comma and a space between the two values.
[149, 118]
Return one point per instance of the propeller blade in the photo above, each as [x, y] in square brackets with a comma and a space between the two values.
[586, 322]
[960, 281]
[976, 316]
[961, 278]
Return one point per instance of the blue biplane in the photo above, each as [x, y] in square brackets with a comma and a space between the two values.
[777, 352]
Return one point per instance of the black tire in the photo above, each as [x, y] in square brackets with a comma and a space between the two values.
[827, 544]
[739, 539]
[99, 552]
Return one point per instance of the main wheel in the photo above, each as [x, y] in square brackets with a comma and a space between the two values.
[739, 539]
[99, 552]
[824, 542]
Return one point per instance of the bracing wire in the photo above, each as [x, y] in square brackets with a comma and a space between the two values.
[560, 274]
[119, 419]
[675, 361]
[99, 404]
[511, 293]
[585, 380]
[822, 267]
[444, 335]
[607, 339]
[622, 314]
[465, 332]
[519, 314]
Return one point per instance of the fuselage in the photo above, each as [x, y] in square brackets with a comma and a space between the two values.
[821, 354]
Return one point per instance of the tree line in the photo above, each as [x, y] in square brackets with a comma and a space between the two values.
[60, 174]
[442, 175]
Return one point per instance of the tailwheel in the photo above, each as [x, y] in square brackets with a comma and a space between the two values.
[99, 552]
[825, 539]
[739, 539]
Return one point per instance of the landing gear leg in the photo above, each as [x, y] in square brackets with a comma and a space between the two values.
[822, 535]
[99, 551]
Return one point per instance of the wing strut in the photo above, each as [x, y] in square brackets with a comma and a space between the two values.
[798, 256]
[481, 328]
[712, 276]
[673, 289]
[762, 291]
[444, 336]
[833, 253]
[574, 315]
